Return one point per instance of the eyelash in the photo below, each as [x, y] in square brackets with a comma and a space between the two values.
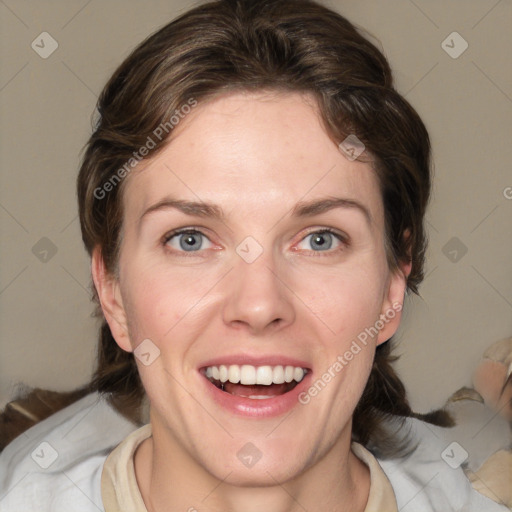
[182, 231]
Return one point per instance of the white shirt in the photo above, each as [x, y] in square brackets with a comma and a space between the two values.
[56, 466]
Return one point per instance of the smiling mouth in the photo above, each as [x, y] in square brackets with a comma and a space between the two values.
[255, 382]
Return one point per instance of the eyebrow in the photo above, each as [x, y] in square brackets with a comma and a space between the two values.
[311, 208]
[301, 209]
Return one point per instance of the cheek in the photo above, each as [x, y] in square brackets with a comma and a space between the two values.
[159, 300]
[347, 300]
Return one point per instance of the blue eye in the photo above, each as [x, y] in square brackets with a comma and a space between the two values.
[189, 240]
[323, 240]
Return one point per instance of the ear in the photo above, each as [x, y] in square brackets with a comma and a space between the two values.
[111, 301]
[393, 302]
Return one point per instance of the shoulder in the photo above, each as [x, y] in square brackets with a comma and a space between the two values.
[431, 477]
[59, 461]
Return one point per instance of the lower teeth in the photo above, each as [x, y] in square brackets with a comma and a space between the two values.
[221, 386]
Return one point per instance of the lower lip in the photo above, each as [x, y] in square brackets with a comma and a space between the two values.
[257, 408]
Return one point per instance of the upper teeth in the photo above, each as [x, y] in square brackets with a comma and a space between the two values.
[250, 375]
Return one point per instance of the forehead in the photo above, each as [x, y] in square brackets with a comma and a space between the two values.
[252, 153]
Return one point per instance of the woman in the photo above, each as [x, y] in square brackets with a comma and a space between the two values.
[252, 199]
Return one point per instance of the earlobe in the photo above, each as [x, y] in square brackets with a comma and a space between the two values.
[393, 302]
[107, 287]
[392, 305]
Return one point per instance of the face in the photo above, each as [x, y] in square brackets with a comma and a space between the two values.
[280, 276]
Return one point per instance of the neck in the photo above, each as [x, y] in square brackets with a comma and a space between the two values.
[167, 474]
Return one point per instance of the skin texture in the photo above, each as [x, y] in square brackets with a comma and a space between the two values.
[255, 155]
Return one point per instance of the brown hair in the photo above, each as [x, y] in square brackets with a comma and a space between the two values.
[285, 45]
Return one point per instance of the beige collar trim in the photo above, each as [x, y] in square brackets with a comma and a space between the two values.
[119, 489]
[382, 497]
[120, 492]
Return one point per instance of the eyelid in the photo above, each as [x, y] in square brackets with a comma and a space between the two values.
[324, 229]
[181, 231]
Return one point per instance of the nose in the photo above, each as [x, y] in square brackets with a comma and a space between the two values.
[257, 297]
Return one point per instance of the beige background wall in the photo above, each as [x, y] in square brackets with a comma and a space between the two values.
[47, 335]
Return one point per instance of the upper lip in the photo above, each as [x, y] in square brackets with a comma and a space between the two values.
[260, 360]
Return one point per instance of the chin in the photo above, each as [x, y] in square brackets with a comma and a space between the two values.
[259, 461]
[263, 473]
